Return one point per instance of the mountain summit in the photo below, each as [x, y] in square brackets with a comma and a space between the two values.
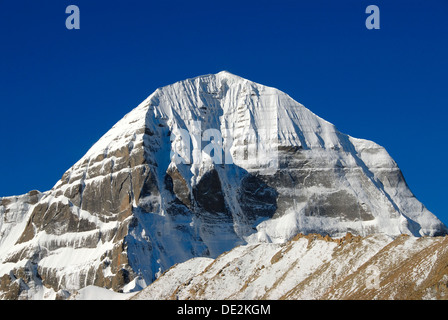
[199, 167]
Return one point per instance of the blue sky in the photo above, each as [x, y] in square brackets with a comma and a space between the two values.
[61, 90]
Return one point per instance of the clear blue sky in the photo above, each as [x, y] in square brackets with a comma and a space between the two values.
[61, 90]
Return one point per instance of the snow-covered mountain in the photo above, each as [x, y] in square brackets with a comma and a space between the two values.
[199, 167]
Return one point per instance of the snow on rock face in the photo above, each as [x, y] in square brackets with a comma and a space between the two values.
[200, 167]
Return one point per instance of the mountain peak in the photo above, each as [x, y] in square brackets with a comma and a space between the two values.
[223, 74]
[252, 125]
[198, 168]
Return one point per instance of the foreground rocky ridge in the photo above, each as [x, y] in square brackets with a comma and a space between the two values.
[314, 267]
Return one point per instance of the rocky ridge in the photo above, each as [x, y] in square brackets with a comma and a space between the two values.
[313, 267]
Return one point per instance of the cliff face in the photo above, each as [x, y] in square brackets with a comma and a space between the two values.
[199, 167]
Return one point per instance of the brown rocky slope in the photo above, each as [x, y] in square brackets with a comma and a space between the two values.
[315, 267]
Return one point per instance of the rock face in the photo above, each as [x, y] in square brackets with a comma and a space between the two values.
[199, 167]
[312, 267]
